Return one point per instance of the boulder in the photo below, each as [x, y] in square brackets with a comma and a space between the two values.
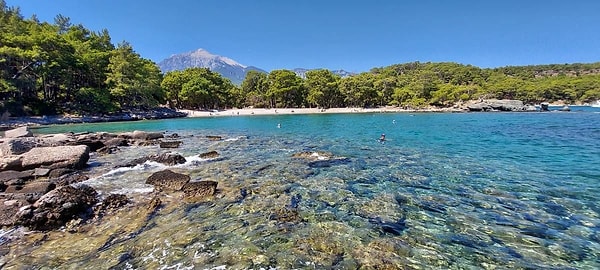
[211, 154]
[199, 189]
[17, 146]
[164, 158]
[170, 144]
[74, 157]
[168, 179]
[57, 207]
[69, 178]
[142, 135]
[12, 162]
[18, 133]
[55, 139]
[313, 156]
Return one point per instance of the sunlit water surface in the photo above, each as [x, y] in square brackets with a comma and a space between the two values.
[467, 190]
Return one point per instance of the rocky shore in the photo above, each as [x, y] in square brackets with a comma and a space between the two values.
[40, 176]
[135, 115]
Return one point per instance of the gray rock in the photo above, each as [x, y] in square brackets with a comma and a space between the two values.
[168, 179]
[164, 158]
[74, 157]
[18, 133]
[508, 105]
[17, 146]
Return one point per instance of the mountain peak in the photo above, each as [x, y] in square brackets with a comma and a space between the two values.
[202, 53]
[202, 58]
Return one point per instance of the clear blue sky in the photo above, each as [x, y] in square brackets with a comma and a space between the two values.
[352, 35]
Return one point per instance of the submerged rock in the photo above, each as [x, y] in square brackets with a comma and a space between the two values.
[214, 137]
[111, 203]
[199, 189]
[168, 179]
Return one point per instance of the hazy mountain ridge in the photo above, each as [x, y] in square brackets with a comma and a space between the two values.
[225, 66]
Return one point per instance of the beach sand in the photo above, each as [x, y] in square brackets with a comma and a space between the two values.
[263, 111]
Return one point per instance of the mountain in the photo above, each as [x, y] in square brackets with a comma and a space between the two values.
[227, 67]
[301, 72]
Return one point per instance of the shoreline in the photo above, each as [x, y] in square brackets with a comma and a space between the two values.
[291, 111]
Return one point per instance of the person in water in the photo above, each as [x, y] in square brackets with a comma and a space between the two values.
[382, 138]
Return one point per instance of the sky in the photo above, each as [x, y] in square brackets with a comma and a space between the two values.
[352, 35]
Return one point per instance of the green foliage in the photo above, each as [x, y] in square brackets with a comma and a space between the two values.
[199, 88]
[64, 67]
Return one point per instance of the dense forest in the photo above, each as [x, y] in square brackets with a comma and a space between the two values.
[63, 68]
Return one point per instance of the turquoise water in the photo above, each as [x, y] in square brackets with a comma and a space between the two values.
[446, 190]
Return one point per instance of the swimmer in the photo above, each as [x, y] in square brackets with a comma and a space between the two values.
[278, 125]
[394, 121]
[382, 138]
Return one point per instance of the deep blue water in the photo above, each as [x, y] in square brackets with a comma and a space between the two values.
[516, 190]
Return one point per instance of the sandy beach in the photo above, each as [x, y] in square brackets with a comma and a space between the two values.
[263, 111]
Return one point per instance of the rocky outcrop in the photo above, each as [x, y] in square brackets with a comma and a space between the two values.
[321, 159]
[168, 179]
[74, 157]
[18, 133]
[17, 146]
[505, 105]
[57, 207]
[167, 158]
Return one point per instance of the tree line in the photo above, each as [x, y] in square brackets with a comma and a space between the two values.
[59, 67]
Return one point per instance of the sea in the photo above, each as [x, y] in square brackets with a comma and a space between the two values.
[490, 190]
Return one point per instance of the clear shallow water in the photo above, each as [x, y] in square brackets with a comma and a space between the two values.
[476, 190]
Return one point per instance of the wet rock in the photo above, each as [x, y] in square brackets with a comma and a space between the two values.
[56, 173]
[199, 189]
[295, 201]
[211, 154]
[74, 157]
[69, 179]
[170, 144]
[168, 179]
[214, 138]
[164, 158]
[57, 207]
[8, 211]
[111, 203]
[17, 146]
[18, 133]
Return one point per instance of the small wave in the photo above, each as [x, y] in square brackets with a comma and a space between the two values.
[235, 139]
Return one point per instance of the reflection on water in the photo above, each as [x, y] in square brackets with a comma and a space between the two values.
[435, 195]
